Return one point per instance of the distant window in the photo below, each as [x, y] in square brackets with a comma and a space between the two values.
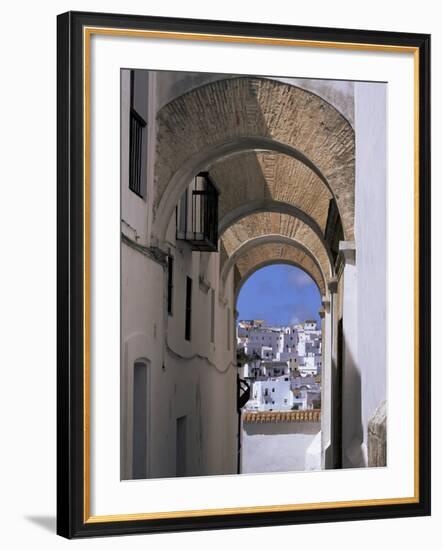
[188, 323]
[169, 284]
[137, 137]
[212, 317]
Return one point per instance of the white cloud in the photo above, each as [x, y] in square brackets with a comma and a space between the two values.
[299, 278]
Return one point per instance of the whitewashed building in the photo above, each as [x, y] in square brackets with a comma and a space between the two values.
[298, 345]
[271, 394]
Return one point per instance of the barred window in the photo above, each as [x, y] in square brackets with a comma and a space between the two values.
[137, 134]
[170, 284]
[188, 323]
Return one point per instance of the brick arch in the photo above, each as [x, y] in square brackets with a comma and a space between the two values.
[248, 113]
[275, 225]
[276, 253]
[258, 242]
[260, 178]
[267, 206]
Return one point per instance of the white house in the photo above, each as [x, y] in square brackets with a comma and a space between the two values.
[272, 394]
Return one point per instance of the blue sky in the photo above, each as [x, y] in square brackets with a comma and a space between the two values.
[280, 294]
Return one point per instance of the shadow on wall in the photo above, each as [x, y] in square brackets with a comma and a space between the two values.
[358, 452]
[349, 426]
[48, 523]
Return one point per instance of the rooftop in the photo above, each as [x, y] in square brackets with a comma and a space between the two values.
[261, 417]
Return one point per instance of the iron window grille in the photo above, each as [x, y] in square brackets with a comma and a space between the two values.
[137, 125]
[334, 231]
[170, 284]
[188, 321]
[197, 214]
[137, 156]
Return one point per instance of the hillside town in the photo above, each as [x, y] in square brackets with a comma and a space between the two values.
[282, 365]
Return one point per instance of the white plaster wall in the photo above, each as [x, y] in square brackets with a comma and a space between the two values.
[313, 455]
[276, 447]
[370, 231]
[141, 324]
[195, 379]
[193, 387]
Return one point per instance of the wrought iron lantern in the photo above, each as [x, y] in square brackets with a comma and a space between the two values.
[197, 214]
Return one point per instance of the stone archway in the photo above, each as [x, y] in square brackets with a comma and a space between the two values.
[250, 180]
[249, 114]
[266, 205]
[305, 260]
[277, 252]
[283, 261]
[275, 227]
[275, 151]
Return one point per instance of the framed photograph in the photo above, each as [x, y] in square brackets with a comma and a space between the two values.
[243, 274]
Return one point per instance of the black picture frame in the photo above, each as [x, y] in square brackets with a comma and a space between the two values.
[71, 519]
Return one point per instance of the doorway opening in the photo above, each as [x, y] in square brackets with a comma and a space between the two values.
[141, 420]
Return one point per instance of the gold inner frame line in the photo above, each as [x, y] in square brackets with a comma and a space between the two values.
[87, 33]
